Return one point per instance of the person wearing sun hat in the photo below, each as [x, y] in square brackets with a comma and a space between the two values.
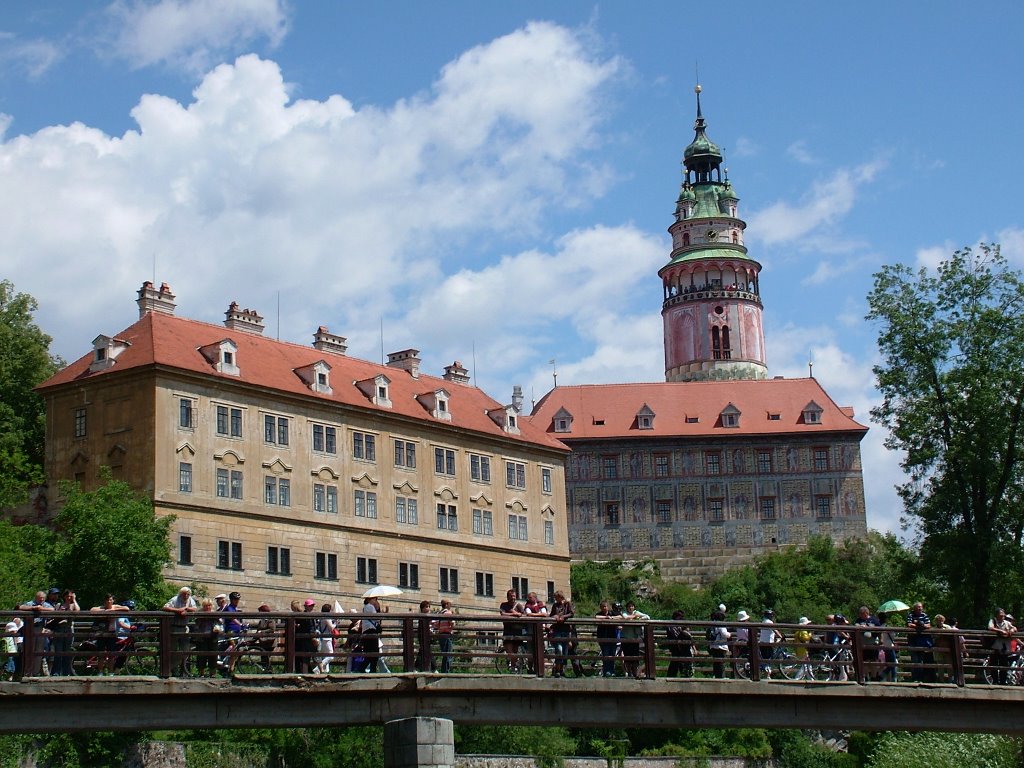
[802, 640]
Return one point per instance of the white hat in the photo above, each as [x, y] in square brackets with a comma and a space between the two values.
[221, 596]
[742, 616]
[804, 620]
[721, 607]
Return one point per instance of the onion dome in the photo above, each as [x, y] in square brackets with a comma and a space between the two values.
[702, 155]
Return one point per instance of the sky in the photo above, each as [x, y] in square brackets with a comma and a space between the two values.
[492, 182]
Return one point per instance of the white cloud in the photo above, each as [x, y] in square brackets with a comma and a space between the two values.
[33, 57]
[829, 270]
[352, 215]
[932, 255]
[191, 34]
[744, 147]
[823, 205]
[799, 152]
[1011, 242]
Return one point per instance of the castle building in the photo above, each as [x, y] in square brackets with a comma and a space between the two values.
[718, 463]
[298, 471]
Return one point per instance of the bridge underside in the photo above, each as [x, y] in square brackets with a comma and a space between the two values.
[130, 704]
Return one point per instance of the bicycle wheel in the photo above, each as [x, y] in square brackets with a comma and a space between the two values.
[742, 666]
[787, 664]
[140, 662]
[250, 662]
[822, 665]
[505, 663]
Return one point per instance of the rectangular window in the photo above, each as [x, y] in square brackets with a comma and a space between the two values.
[517, 529]
[716, 510]
[551, 591]
[270, 490]
[279, 561]
[549, 532]
[186, 413]
[610, 467]
[515, 474]
[229, 555]
[821, 459]
[275, 430]
[325, 566]
[185, 477]
[823, 505]
[229, 421]
[764, 462]
[545, 480]
[236, 484]
[484, 584]
[364, 446]
[236, 422]
[406, 511]
[366, 570]
[408, 575]
[184, 550]
[447, 517]
[611, 514]
[222, 483]
[480, 468]
[405, 454]
[521, 586]
[319, 497]
[483, 522]
[767, 509]
[222, 419]
[284, 492]
[277, 491]
[325, 439]
[663, 511]
[661, 465]
[713, 463]
[365, 504]
[444, 461]
[79, 422]
[448, 580]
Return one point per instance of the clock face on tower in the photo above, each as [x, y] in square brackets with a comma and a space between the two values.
[712, 235]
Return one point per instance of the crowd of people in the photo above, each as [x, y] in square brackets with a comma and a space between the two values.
[208, 640]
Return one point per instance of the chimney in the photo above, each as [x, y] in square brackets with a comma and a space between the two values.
[456, 373]
[245, 320]
[406, 360]
[517, 398]
[153, 300]
[326, 341]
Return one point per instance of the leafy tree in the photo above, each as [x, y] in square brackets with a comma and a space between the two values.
[952, 383]
[25, 361]
[110, 540]
[944, 750]
[26, 553]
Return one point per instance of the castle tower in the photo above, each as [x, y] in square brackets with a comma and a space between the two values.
[712, 298]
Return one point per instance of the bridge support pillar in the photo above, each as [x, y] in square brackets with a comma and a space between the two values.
[419, 742]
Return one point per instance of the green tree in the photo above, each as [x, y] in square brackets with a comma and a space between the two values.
[25, 361]
[952, 384]
[26, 553]
[944, 750]
[110, 540]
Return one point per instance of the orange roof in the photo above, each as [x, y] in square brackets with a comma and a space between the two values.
[159, 339]
[693, 409]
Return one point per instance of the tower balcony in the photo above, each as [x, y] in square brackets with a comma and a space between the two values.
[712, 292]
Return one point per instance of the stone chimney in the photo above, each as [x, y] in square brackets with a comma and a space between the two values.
[153, 300]
[406, 360]
[517, 398]
[245, 320]
[457, 373]
[326, 341]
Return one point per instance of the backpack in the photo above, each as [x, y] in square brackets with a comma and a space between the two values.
[709, 633]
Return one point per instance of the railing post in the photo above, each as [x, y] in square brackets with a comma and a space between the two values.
[956, 658]
[754, 652]
[537, 629]
[649, 657]
[409, 645]
[289, 644]
[859, 672]
[165, 645]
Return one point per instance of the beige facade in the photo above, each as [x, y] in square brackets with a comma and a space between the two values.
[285, 490]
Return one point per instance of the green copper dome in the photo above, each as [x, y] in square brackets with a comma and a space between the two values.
[702, 155]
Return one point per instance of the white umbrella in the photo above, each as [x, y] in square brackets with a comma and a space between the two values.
[382, 590]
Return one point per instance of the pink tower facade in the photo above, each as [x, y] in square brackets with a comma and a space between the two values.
[712, 299]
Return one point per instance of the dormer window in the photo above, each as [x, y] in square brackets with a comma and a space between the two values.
[436, 402]
[505, 417]
[316, 376]
[105, 350]
[562, 421]
[645, 417]
[812, 413]
[730, 416]
[378, 389]
[223, 355]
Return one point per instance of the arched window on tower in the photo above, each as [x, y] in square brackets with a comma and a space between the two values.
[726, 350]
[686, 238]
[735, 237]
[716, 343]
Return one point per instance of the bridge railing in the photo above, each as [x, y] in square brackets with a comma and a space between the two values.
[159, 644]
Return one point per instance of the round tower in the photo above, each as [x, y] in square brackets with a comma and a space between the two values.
[712, 298]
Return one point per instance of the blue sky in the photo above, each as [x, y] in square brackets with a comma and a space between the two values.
[491, 182]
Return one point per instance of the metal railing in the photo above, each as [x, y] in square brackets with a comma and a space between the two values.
[289, 643]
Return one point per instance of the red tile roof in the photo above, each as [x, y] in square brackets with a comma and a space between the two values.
[174, 342]
[610, 410]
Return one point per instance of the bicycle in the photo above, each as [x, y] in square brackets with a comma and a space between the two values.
[831, 664]
[1014, 673]
[786, 663]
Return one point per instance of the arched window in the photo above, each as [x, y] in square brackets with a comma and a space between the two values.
[686, 238]
[726, 351]
[716, 343]
[735, 237]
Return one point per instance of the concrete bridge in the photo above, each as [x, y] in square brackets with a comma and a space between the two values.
[293, 701]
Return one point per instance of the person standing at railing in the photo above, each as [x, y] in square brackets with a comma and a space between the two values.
[801, 647]
[921, 643]
[869, 652]
[632, 631]
[205, 636]
[887, 650]
[443, 629]
[512, 631]
[63, 628]
[768, 638]
[533, 607]
[38, 605]
[181, 605]
[12, 641]
[718, 643]
[371, 632]
[999, 660]
[680, 647]
[561, 632]
[325, 632]
[113, 629]
[607, 637]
